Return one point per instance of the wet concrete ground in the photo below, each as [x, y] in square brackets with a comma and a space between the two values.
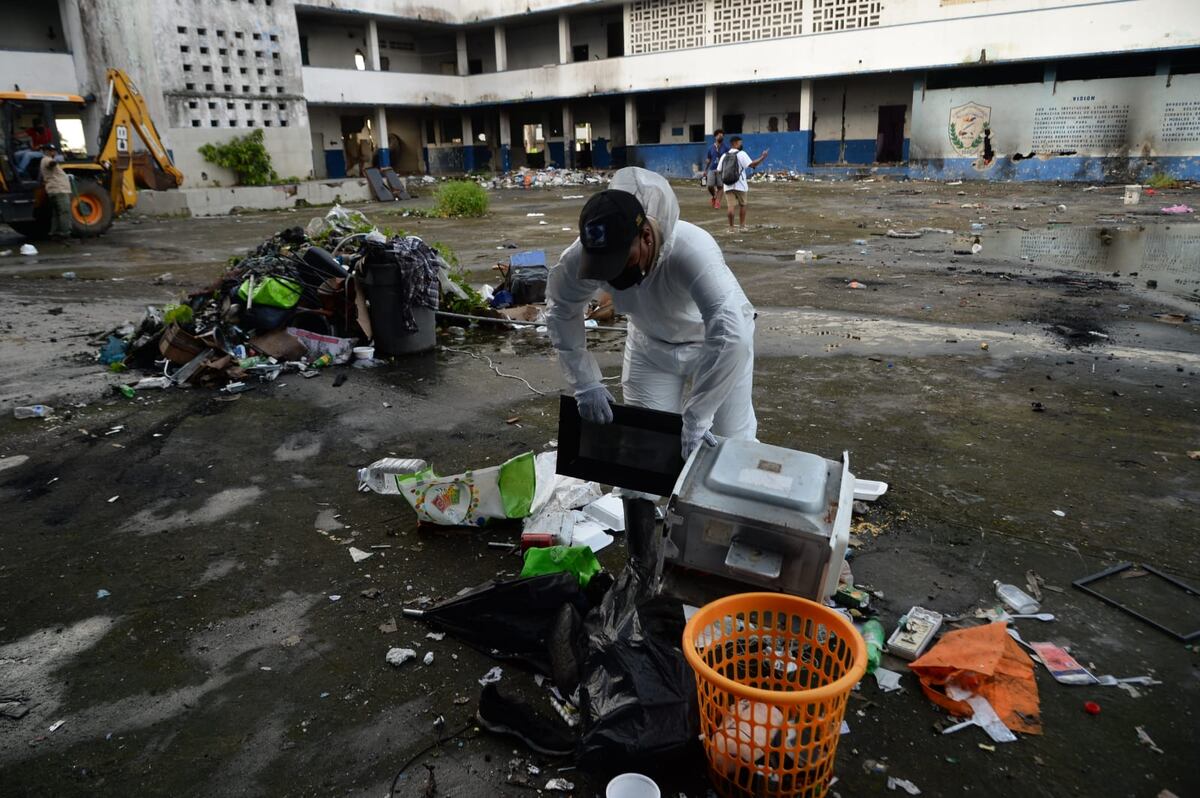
[219, 665]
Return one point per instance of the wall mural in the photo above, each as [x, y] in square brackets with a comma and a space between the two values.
[968, 124]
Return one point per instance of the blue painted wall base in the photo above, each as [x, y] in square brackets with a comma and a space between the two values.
[1058, 168]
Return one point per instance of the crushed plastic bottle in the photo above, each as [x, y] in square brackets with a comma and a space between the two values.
[33, 411]
[1015, 598]
[380, 476]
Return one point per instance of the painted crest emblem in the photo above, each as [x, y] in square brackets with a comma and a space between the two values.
[968, 123]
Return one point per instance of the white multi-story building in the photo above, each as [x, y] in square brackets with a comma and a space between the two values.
[985, 89]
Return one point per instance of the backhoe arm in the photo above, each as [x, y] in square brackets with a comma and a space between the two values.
[125, 110]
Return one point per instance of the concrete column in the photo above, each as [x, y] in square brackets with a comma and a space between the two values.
[568, 123]
[631, 138]
[626, 20]
[72, 31]
[461, 42]
[505, 140]
[564, 39]
[468, 136]
[806, 105]
[806, 121]
[381, 136]
[501, 49]
[710, 110]
[372, 45]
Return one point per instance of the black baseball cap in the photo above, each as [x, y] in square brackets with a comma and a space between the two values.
[608, 225]
[49, 145]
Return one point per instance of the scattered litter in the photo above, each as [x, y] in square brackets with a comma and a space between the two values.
[114, 498]
[903, 784]
[888, 681]
[335, 597]
[904, 233]
[102, 593]
[492, 676]
[428, 660]
[804, 255]
[389, 626]
[33, 411]
[372, 593]
[398, 656]
[1177, 209]
[1062, 666]
[358, 555]
[560, 785]
[1091, 707]
[30, 249]
[535, 214]
[1015, 598]
[1059, 513]
[1143, 738]
[994, 664]
[65, 275]
[20, 459]
[439, 636]
[855, 284]
[914, 633]
[56, 725]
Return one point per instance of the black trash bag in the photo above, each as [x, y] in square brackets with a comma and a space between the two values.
[510, 620]
[637, 694]
[527, 284]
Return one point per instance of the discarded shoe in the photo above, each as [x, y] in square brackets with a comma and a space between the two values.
[543, 734]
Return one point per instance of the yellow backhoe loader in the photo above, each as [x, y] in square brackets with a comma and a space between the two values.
[104, 186]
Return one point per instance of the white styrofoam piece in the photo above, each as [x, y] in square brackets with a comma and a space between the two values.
[608, 511]
[868, 490]
[590, 534]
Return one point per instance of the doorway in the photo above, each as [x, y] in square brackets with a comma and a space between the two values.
[889, 141]
[616, 39]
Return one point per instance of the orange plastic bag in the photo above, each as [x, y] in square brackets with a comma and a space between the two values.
[985, 660]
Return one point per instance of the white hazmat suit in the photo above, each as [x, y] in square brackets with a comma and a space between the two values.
[688, 320]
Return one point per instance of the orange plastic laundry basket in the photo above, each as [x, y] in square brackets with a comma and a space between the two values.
[773, 673]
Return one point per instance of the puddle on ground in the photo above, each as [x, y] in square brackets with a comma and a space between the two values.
[1169, 255]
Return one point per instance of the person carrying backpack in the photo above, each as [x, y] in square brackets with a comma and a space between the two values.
[732, 170]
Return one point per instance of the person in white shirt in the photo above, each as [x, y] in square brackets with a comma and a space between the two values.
[689, 320]
[732, 169]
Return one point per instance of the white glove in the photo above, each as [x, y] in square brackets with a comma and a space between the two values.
[693, 438]
[595, 404]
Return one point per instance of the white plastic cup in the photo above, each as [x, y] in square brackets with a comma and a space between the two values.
[364, 353]
[632, 785]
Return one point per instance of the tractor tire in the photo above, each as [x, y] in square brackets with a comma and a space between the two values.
[91, 209]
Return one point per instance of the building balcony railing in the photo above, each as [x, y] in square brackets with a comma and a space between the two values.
[997, 38]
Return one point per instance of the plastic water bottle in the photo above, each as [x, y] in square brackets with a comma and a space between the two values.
[381, 475]
[32, 411]
[1015, 598]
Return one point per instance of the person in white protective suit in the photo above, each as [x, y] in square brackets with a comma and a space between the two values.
[688, 317]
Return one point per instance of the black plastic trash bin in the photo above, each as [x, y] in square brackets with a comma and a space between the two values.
[389, 303]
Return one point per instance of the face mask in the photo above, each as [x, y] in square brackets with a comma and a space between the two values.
[628, 278]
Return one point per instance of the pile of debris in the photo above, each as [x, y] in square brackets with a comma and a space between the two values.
[546, 178]
[304, 299]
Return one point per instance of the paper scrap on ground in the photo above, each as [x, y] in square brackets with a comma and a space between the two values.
[54, 727]
[985, 716]
[492, 676]
[1143, 738]
[888, 681]
[560, 785]
[903, 784]
[1062, 666]
[399, 656]
[358, 555]
[428, 658]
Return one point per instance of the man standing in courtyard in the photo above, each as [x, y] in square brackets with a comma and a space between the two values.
[58, 192]
[716, 191]
[731, 170]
